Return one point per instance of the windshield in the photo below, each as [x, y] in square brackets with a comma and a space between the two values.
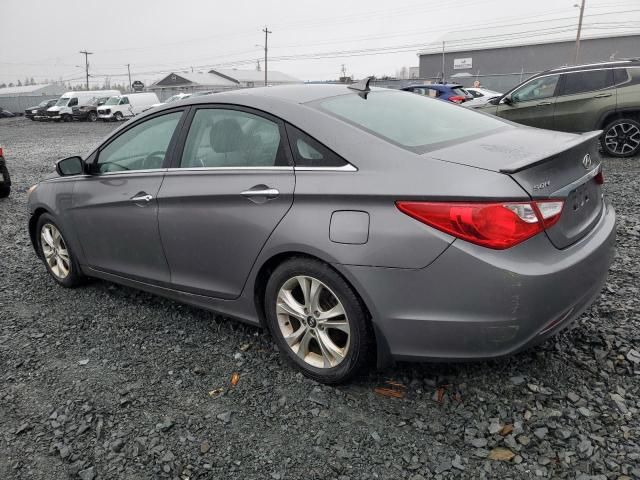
[62, 102]
[460, 91]
[113, 101]
[43, 104]
[411, 121]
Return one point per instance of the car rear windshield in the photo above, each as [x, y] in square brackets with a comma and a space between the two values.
[414, 122]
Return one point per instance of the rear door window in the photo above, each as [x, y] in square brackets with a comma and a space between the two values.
[620, 76]
[589, 81]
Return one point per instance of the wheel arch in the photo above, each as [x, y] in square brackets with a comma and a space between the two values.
[383, 356]
[608, 117]
[33, 223]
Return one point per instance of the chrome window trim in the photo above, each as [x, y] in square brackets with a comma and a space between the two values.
[564, 191]
[345, 168]
[129, 172]
[227, 169]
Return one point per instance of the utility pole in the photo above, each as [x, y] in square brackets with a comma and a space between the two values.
[129, 72]
[579, 31]
[443, 78]
[266, 36]
[86, 64]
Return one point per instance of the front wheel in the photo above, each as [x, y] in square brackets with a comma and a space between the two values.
[117, 116]
[317, 320]
[56, 254]
[92, 117]
[67, 118]
[621, 138]
[5, 185]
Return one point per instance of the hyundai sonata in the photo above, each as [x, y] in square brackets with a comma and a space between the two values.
[351, 222]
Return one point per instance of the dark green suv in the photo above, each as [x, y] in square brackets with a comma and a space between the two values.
[603, 96]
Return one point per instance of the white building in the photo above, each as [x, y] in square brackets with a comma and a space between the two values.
[18, 99]
[218, 80]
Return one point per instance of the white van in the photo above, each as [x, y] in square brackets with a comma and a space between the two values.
[63, 109]
[121, 106]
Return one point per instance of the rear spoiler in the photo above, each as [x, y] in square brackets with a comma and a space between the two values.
[547, 156]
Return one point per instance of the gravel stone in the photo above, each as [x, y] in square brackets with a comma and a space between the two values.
[572, 401]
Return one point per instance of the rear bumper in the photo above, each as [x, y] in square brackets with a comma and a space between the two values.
[477, 303]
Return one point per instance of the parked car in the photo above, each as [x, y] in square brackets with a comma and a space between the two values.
[89, 112]
[173, 98]
[63, 109]
[349, 221]
[124, 106]
[480, 96]
[6, 113]
[34, 113]
[5, 179]
[579, 99]
[451, 92]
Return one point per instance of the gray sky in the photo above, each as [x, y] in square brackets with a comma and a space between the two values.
[164, 35]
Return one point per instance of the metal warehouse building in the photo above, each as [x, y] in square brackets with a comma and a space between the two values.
[500, 68]
[18, 99]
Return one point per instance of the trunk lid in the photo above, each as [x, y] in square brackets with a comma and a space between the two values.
[547, 165]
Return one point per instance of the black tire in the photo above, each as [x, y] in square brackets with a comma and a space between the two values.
[117, 116]
[360, 342]
[74, 276]
[67, 118]
[621, 138]
[92, 117]
[5, 186]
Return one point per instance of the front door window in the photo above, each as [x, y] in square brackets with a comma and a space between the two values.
[537, 89]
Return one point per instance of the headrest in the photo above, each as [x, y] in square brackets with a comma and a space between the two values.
[226, 136]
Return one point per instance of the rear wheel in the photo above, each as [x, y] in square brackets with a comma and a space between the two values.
[56, 253]
[621, 138]
[317, 320]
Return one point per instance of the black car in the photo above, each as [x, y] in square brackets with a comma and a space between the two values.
[89, 112]
[5, 113]
[39, 110]
[5, 179]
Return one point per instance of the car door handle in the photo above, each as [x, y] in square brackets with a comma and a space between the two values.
[602, 95]
[142, 197]
[260, 192]
[541, 104]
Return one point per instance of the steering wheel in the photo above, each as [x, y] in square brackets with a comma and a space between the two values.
[153, 160]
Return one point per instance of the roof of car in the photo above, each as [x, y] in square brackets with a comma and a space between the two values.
[634, 62]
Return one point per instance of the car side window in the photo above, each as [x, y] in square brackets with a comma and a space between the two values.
[124, 101]
[142, 147]
[73, 102]
[537, 89]
[308, 152]
[590, 81]
[232, 138]
[620, 75]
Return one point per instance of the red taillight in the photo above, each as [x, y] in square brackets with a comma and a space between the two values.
[494, 225]
[457, 99]
[1, 152]
[599, 178]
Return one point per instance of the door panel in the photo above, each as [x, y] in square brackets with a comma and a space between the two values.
[115, 210]
[212, 233]
[117, 234]
[232, 185]
[535, 113]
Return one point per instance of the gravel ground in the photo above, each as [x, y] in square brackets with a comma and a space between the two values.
[108, 382]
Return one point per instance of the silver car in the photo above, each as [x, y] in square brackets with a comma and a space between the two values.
[354, 223]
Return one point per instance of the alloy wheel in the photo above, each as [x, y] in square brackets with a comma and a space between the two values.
[55, 251]
[622, 138]
[313, 322]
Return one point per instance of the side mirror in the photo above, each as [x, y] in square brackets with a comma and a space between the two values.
[70, 166]
[507, 100]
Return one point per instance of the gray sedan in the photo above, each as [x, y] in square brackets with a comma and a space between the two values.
[353, 223]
